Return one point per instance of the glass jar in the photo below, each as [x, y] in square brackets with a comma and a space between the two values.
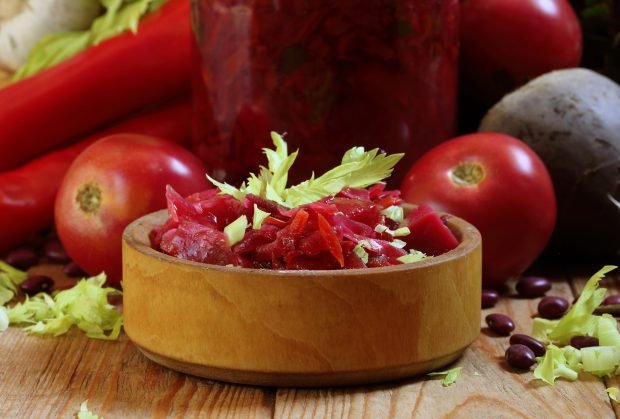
[330, 74]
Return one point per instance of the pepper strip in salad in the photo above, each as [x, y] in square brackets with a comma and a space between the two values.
[343, 219]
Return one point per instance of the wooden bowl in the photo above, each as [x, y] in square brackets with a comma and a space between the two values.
[301, 328]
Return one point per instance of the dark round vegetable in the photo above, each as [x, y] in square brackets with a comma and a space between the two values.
[520, 357]
[571, 120]
[533, 286]
[489, 298]
[500, 323]
[534, 344]
[552, 307]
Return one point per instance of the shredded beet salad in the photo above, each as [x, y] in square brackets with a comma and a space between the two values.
[355, 227]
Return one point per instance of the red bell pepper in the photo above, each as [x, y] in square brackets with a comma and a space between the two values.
[27, 194]
[97, 86]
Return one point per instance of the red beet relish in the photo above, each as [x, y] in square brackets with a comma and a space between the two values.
[319, 235]
[330, 74]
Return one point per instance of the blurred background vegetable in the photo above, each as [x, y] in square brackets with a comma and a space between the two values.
[505, 43]
[600, 21]
[121, 75]
[27, 194]
[23, 23]
[571, 118]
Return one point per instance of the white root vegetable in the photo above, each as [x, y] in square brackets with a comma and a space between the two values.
[24, 22]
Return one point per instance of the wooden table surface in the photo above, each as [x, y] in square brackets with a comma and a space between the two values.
[51, 377]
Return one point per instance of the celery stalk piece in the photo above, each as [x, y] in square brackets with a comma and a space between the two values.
[600, 360]
[236, 230]
[259, 217]
[450, 376]
[85, 306]
[85, 413]
[554, 364]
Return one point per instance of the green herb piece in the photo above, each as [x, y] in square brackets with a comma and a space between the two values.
[399, 244]
[259, 217]
[613, 393]
[554, 364]
[10, 278]
[85, 413]
[85, 306]
[358, 169]
[579, 321]
[120, 16]
[361, 252]
[236, 230]
[542, 328]
[413, 256]
[394, 212]
[450, 376]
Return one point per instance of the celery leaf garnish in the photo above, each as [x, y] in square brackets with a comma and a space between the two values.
[358, 169]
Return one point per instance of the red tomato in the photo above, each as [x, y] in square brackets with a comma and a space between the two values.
[505, 43]
[497, 183]
[111, 183]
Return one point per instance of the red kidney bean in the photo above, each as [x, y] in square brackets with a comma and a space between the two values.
[55, 251]
[500, 323]
[35, 284]
[489, 298]
[22, 258]
[611, 300]
[583, 341]
[533, 286]
[520, 357]
[534, 344]
[552, 307]
[74, 270]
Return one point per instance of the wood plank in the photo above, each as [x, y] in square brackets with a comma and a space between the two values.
[578, 278]
[487, 386]
[51, 377]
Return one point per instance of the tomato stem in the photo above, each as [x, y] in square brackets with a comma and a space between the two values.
[89, 197]
[468, 174]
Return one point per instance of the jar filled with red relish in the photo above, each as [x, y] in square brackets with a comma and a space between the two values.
[329, 74]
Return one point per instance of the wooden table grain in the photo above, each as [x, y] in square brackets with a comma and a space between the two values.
[51, 377]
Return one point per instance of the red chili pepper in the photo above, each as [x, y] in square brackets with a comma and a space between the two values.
[115, 78]
[27, 194]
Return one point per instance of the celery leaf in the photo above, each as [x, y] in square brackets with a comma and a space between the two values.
[120, 16]
[358, 169]
[579, 321]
